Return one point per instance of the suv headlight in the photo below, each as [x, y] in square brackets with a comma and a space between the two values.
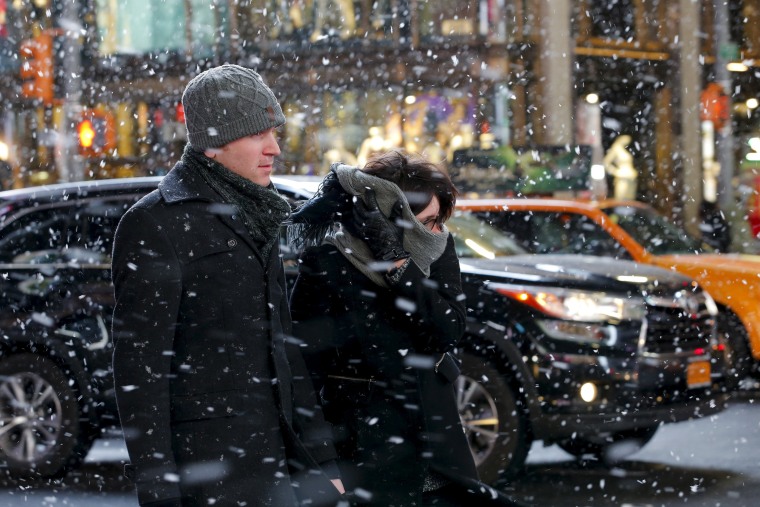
[575, 305]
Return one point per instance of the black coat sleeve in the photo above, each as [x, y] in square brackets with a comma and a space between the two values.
[308, 420]
[311, 304]
[147, 280]
[438, 302]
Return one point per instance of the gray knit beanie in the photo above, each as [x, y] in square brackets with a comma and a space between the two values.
[226, 103]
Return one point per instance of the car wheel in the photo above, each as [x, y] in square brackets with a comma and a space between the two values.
[611, 448]
[494, 422]
[40, 431]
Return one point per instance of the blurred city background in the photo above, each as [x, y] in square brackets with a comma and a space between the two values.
[656, 98]
[648, 100]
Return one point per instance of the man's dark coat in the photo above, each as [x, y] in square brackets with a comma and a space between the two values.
[378, 356]
[215, 402]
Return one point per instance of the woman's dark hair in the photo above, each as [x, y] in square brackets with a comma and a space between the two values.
[418, 178]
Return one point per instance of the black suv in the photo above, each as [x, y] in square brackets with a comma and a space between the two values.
[580, 351]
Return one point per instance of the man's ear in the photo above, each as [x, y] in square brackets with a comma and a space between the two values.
[210, 153]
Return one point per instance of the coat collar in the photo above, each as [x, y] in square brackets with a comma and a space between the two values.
[183, 184]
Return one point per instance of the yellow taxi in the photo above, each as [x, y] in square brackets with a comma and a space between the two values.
[635, 231]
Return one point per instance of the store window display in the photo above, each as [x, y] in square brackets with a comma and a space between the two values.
[374, 143]
[437, 123]
[618, 163]
[351, 125]
[448, 18]
[338, 153]
[319, 21]
[334, 18]
[146, 26]
[268, 19]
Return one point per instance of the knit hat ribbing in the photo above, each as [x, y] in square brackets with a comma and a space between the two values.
[226, 103]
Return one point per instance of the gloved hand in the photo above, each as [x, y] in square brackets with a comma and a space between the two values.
[333, 201]
[383, 236]
[334, 192]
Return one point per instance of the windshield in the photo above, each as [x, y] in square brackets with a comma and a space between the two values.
[653, 232]
[474, 237]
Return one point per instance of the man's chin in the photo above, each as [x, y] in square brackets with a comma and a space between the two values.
[261, 176]
[263, 181]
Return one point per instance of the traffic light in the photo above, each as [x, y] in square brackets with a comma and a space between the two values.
[96, 132]
[715, 106]
[37, 68]
[86, 134]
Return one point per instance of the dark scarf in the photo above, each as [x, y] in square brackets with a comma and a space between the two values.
[262, 208]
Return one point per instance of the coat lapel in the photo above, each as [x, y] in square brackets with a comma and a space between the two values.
[182, 184]
[235, 222]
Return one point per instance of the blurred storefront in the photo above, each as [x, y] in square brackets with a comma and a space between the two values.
[356, 76]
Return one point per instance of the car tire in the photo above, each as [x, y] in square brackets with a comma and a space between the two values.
[493, 418]
[41, 434]
[610, 449]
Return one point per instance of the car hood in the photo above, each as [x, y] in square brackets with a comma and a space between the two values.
[576, 271]
[725, 263]
[727, 276]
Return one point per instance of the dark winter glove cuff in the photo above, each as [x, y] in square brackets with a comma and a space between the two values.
[393, 254]
[394, 275]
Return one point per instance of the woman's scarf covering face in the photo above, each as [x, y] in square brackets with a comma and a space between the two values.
[317, 217]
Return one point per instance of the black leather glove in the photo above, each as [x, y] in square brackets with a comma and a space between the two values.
[334, 192]
[383, 236]
[332, 201]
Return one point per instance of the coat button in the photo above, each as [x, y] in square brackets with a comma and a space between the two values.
[232, 243]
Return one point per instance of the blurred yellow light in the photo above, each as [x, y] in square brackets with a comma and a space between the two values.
[410, 99]
[588, 392]
[752, 103]
[754, 155]
[86, 134]
[592, 98]
[479, 249]
[597, 172]
[737, 67]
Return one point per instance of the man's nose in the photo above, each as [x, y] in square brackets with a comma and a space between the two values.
[273, 147]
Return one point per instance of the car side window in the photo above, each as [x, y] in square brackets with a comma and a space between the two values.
[97, 222]
[583, 236]
[33, 236]
[558, 232]
[77, 234]
[514, 225]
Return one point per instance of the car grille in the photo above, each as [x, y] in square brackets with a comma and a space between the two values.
[680, 323]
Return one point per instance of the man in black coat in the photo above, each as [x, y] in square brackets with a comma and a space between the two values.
[215, 402]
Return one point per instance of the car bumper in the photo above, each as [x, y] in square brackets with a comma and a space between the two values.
[559, 426]
[630, 393]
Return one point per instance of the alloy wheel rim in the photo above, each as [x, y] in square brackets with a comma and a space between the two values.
[479, 416]
[30, 417]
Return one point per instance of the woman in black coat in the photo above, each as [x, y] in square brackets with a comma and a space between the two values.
[378, 303]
